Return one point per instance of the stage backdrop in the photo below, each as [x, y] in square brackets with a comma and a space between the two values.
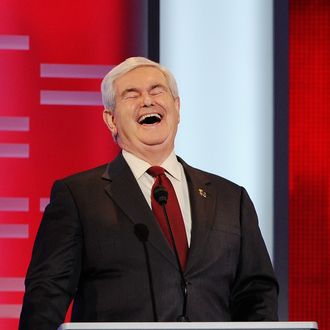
[309, 225]
[52, 57]
[222, 55]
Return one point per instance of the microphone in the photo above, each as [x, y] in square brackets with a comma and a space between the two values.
[161, 196]
[142, 233]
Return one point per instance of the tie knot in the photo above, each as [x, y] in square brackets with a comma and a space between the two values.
[155, 171]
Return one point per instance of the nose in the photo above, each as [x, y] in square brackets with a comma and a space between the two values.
[147, 100]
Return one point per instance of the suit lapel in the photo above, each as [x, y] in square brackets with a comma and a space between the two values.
[126, 193]
[202, 200]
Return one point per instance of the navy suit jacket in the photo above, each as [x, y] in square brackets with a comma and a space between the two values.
[86, 250]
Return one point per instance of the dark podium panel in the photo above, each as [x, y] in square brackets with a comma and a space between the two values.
[191, 326]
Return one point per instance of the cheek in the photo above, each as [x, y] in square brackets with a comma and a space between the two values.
[127, 126]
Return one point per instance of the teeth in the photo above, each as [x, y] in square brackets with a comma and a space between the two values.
[148, 116]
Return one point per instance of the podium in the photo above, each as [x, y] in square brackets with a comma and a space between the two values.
[189, 326]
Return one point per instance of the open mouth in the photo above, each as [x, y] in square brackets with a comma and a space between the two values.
[150, 119]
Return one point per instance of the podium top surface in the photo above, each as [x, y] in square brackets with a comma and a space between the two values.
[189, 326]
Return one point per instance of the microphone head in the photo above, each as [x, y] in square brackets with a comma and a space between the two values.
[161, 195]
[142, 232]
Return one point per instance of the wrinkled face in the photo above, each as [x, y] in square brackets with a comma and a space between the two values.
[146, 115]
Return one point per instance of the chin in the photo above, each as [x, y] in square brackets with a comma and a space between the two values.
[154, 140]
[154, 144]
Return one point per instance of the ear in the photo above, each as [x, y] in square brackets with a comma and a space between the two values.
[177, 106]
[109, 119]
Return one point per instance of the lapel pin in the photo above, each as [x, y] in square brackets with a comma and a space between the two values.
[202, 192]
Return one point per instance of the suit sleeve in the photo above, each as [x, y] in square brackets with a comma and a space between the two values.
[255, 292]
[54, 270]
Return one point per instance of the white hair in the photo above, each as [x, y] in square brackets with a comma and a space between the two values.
[107, 85]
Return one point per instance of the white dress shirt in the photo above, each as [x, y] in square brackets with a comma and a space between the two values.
[174, 171]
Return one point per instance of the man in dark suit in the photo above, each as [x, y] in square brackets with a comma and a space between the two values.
[90, 247]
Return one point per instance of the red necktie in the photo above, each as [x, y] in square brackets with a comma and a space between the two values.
[173, 212]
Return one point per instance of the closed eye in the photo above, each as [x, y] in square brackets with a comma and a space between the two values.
[155, 90]
[131, 95]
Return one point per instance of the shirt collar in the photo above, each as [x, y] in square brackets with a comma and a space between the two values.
[172, 166]
[139, 166]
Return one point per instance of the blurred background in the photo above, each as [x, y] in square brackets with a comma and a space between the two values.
[254, 81]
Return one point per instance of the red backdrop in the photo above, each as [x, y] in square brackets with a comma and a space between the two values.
[309, 213]
[43, 137]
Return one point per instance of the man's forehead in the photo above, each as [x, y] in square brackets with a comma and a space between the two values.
[141, 75]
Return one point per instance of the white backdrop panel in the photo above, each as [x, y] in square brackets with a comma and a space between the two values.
[221, 52]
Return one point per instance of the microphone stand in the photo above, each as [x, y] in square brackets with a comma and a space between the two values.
[142, 233]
